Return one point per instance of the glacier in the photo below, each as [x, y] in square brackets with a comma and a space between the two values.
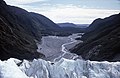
[64, 68]
[9, 69]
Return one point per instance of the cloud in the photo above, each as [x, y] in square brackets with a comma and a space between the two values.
[65, 13]
[71, 13]
[18, 2]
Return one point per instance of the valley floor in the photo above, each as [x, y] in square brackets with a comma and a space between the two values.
[54, 48]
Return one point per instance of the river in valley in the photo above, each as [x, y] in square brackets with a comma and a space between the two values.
[55, 48]
[60, 63]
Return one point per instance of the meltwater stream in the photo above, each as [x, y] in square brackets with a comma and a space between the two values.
[63, 68]
[65, 51]
[55, 48]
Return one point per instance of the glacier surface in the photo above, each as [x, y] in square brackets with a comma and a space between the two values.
[64, 68]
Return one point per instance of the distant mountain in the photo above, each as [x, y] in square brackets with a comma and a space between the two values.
[67, 25]
[102, 40]
[73, 25]
[72, 28]
[82, 25]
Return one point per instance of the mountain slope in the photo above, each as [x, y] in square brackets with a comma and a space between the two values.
[47, 27]
[102, 40]
[17, 34]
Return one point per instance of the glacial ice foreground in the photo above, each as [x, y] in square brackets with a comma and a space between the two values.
[62, 69]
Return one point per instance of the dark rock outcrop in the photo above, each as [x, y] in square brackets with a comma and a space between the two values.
[102, 40]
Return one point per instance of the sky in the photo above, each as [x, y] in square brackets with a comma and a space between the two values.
[73, 11]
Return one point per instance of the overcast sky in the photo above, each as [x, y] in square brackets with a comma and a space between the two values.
[74, 11]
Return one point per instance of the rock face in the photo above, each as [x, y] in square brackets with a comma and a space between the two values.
[102, 40]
